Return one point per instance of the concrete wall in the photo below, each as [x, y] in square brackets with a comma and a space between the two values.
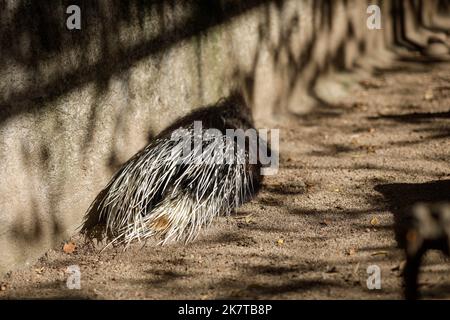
[74, 105]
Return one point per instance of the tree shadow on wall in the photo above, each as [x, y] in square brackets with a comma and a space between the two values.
[35, 33]
[34, 37]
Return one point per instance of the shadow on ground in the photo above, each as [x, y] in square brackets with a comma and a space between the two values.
[400, 197]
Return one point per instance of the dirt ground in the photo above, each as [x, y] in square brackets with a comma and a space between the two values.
[346, 170]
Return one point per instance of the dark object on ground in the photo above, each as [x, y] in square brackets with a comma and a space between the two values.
[175, 186]
[427, 227]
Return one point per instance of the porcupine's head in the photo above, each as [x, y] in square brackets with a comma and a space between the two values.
[157, 196]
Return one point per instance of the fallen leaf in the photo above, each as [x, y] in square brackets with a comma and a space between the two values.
[429, 95]
[39, 270]
[355, 270]
[370, 149]
[69, 247]
[380, 253]
[374, 221]
[280, 242]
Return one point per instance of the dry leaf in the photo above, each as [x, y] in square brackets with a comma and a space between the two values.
[355, 270]
[69, 247]
[39, 270]
[374, 221]
[379, 253]
[248, 219]
[280, 242]
[429, 95]
[370, 149]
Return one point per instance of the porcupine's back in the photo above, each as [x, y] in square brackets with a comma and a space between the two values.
[228, 113]
[152, 196]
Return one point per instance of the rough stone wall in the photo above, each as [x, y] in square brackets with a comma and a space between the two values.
[74, 105]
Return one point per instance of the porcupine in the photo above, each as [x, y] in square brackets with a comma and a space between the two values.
[154, 195]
